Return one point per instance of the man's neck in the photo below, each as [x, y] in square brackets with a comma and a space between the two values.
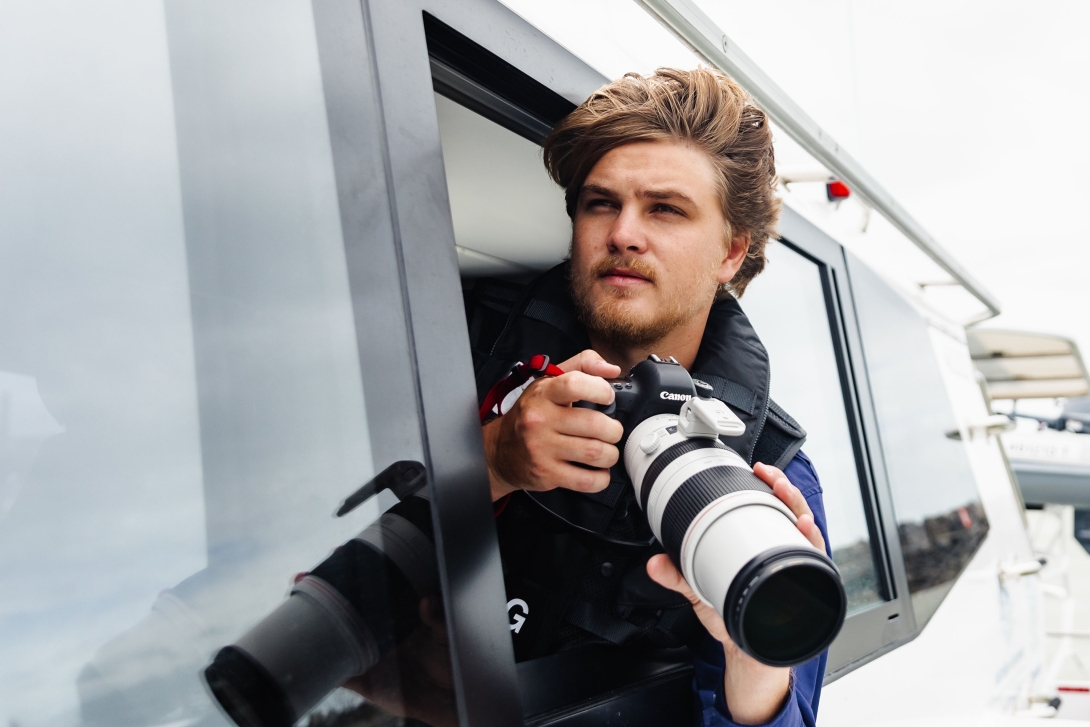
[683, 343]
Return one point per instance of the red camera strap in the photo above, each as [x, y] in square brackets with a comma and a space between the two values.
[535, 368]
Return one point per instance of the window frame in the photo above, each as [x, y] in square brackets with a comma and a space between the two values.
[381, 112]
[379, 79]
[867, 634]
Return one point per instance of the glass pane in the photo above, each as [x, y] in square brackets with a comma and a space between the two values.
[181, 402]
[940, 519]
[786, 305]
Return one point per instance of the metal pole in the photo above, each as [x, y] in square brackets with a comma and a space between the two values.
[685, 20]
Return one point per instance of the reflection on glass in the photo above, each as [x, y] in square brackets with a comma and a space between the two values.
[936, 548]
[25, 425]
[181, 403]
[377, 594]
[939, 516]
[786, 305]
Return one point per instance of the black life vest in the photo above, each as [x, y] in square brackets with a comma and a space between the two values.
[575, 564]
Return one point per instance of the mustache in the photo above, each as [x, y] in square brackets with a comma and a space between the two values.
[612, 262]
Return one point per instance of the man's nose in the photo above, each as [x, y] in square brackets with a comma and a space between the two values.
[627, 233]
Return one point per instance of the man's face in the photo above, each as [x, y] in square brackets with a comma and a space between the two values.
[649, 242]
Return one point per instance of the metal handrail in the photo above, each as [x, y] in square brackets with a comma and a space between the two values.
[685, 20]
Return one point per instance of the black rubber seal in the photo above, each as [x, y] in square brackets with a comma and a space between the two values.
[246, 692]
[696, 493]
[759, 570]
[669, 455]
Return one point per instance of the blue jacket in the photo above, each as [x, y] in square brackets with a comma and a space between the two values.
[801, 705]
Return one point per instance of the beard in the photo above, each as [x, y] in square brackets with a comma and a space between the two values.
[611, 318]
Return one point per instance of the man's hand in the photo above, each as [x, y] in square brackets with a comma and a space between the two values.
[793, 498]
[534, 446]
[754, 691]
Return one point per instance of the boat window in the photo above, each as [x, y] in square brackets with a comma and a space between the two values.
[786, 304]
[509, 220]
[940, 519]
[509, 223]
[183, 402]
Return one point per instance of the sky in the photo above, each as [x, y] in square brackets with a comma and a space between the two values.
[970, 113]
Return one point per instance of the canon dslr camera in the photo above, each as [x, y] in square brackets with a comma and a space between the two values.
[734, 541]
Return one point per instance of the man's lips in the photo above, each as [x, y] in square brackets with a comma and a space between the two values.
[623, 277]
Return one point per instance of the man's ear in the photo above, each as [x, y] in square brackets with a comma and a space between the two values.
[736, 255]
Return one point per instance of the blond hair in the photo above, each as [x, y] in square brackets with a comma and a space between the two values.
[704, 108]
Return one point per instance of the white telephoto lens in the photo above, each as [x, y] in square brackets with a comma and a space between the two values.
[735, 542]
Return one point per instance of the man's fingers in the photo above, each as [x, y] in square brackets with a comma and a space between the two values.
[588, 423]
[582, 479]
[558, 473]
[593, 452]
[810, 531]
[577, 386]
[795, 501]
[768, 473]
[663, 571]
[792, 497]
[589, 362]
[783, 489]
[581, 450]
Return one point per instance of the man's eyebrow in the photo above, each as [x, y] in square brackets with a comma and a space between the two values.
[596, 189]
[666, 194]
[658, 194]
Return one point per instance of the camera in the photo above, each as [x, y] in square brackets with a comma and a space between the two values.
[340, 618]
[734, 541]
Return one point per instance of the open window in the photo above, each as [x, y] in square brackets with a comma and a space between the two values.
[831, 364]
[493, 103]
[510, 225]
[492, 109]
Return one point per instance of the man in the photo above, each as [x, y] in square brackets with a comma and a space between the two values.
[669, 182]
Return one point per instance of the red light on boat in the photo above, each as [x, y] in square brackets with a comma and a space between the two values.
[837, 191]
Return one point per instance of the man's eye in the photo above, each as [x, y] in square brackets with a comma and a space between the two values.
[667, 209]
[599, 204]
